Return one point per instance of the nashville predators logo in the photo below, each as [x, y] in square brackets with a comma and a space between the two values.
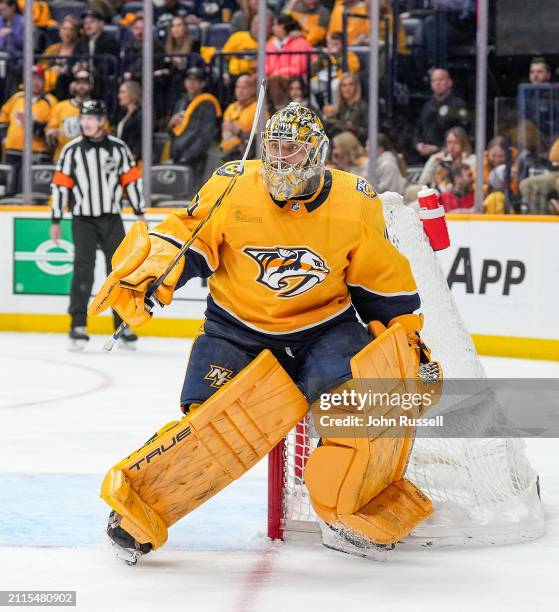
[289, 271]
[218, 376]
[230, 169]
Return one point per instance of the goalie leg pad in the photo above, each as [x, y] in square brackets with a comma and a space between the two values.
[357, 482]
[191, 460]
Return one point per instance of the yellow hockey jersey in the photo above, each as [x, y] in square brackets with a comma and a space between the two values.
[282, 268]
[12, 114]
[65, 116]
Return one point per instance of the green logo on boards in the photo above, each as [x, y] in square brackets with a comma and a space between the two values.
[40, 266]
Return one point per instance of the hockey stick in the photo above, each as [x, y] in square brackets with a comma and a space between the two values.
[110, 342]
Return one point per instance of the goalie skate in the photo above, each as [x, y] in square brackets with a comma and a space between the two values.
[78, 339]
[124, 545]
[128, 340]
[350, 543]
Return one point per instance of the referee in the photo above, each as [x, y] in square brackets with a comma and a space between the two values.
[93, 172]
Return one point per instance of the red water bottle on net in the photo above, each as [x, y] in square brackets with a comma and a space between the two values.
[432, 216]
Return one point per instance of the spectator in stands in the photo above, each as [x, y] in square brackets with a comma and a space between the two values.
[439, 171]
[58, 72]
[358, 24]
[390, 167]
[12, 117]
[106, 8]
[540, 192]
[132, 55]
[297, 92]
[312, 17]
[386, 23]
[129, 122]
[331, 57]
[132, 64]
[352, 112]
[172, 8]
[541, 111]
[553, 204]
[287, 36]
[540, 71]
[242, 18]
[495, 173]
[11, 27]
[178, 40]
[216, 11]
[40, 12]
[525, 138]
[64, 120]
[357, 27]
[443, 111]
[348, 154]
[242, 40]
[194, 124]
[460, 196]
[95, 41]
[237, 119]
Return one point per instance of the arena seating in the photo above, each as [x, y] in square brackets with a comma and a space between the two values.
[6, 179]
[217, 35]
[170, 182]
[60, 10]
[132, 7]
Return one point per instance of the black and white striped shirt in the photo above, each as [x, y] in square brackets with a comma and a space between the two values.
[91, 178]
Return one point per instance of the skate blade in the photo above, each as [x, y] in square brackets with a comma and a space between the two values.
[76, 346]
[365, 549]
[130, 557]
[372, 554]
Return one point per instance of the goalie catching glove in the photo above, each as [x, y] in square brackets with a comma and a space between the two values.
[138, 262]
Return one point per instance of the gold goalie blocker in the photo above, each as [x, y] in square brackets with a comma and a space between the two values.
[354, 482]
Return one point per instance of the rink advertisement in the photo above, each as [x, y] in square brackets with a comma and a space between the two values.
[503, 275]
[37, 275]
[42, 267]
[501, 271]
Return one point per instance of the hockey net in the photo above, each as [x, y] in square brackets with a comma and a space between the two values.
[484, 490]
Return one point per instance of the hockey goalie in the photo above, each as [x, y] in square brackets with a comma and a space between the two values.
[306, 293]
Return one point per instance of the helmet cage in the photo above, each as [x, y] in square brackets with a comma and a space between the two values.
[285, 175]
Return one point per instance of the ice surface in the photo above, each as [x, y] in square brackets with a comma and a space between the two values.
[66, 417]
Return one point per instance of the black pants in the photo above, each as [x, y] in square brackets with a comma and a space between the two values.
[106, 231]
[316, 366]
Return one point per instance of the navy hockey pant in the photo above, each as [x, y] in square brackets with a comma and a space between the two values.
[316, 367]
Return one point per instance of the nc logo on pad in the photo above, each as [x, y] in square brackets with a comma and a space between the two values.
[288, 271]
[218, 376]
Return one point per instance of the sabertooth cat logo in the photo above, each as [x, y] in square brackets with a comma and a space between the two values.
[288, 271]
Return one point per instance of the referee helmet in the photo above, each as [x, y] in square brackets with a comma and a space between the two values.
[94, 107]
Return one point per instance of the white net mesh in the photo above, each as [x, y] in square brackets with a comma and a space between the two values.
[483, 489]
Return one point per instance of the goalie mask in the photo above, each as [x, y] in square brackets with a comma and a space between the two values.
[294, 149]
